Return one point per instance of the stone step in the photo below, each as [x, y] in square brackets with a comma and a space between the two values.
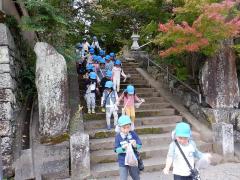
[155, 163]
[147, 152]
[111, 169]
[148, 94]
[147, 140]
[101, 124]
[136, 85]
[147, 129]
[135, 76]
[144, 106]
[24, 166]
[130, 71]
[138, 113]
[158, 99]
[132, 81]
[142, 90]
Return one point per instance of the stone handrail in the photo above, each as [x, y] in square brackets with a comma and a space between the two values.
[169, 75]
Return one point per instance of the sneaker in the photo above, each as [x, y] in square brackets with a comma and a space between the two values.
[89, 111]
[93, 111]
[109, 127]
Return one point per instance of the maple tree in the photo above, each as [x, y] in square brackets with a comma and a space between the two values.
[216, 22]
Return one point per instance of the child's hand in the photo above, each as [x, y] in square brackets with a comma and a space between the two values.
[125, 146]
[133, 142]
[165, 171]
[143, 100]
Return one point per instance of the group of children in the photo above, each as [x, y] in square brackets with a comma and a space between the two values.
[101, 74]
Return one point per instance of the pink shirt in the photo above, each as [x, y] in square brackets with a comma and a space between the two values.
[129, 101]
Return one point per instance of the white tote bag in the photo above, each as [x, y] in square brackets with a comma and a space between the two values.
[130, 158]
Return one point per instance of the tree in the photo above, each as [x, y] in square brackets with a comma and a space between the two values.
[216, 22]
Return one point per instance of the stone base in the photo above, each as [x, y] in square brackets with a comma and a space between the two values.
[80, 156]
[223, 142]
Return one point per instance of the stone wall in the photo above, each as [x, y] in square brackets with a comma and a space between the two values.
[8, 85]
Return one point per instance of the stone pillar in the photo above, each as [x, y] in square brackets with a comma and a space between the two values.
[1, 165]
[223, 142]
[80, 156]
[52, 87]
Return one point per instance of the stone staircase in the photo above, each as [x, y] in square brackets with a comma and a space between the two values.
[155, 120]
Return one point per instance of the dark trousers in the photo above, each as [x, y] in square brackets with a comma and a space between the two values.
[177, 177]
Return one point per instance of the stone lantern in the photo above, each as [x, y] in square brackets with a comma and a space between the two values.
[135, 38]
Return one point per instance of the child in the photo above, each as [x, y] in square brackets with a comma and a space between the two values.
[181, 171]
[80, 59]
[109, 100]
[112, 57]
[109, 64]
[90, 56]
[91, 86]
[89, 69]
[95, 44]
[117, 72]
[108, 77]
[85, 45]
[95, 63]
[122, 140]
[129, 97]
[102, 53]
[101, 71]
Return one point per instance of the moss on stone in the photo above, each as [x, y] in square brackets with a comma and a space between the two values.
[108, 160]
[55, 140]
[104, 134]
[144, 131]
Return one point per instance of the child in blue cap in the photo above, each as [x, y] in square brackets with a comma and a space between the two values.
[122, 139]
[181, 170]
[108, 103]
[91, 88]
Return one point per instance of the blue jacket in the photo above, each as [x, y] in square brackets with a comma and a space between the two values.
[121, 151]
[106, 98]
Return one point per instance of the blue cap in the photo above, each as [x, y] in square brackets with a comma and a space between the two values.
[130, 89]
[101, 60]
[90, 67]
[91, 51]
[95, 58]
[93, 75]
[109, 84]
[118, 62]
[124, 120]
[112, 54]
[109, 73]
[183, 130]
[101, 53]
[107, 57]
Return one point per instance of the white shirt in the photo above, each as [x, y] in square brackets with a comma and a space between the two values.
[180, 166]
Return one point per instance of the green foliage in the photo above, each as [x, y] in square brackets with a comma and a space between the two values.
[44, 17]
[237, 49]
[190, 10]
